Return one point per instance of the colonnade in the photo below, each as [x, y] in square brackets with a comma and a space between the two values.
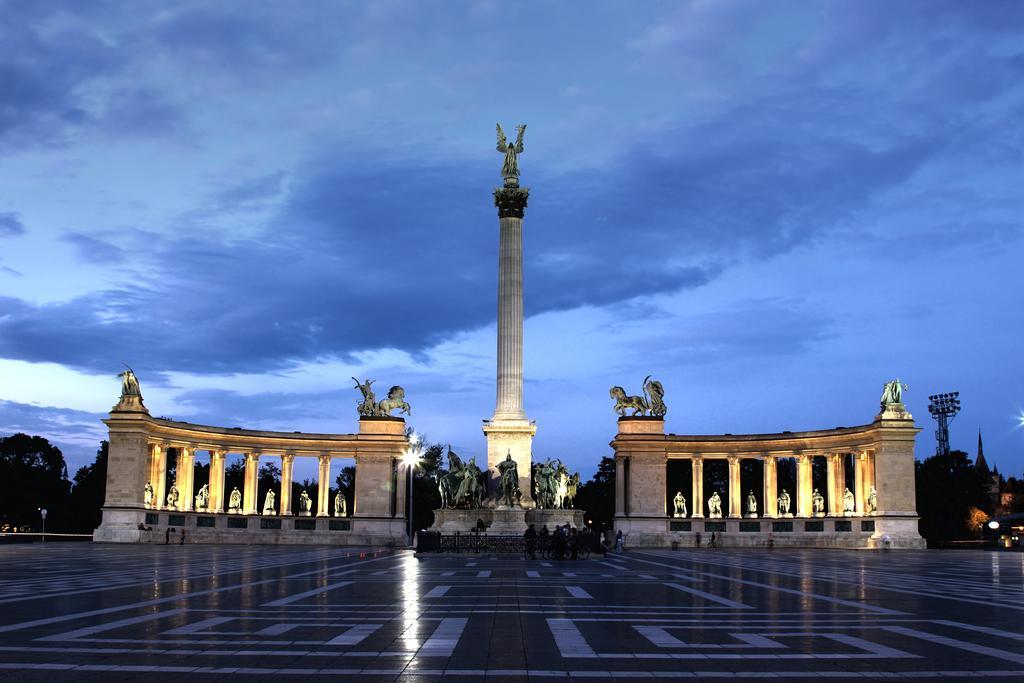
[863, 471]
[185, 480]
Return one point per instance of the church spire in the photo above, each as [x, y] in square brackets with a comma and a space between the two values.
[979, 461]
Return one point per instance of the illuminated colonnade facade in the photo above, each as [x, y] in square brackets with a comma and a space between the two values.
[141, 447]
[865, 495]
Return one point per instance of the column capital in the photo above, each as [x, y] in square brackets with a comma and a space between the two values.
[218, 453]
[287, 457]
[253, 456]
[511, 201]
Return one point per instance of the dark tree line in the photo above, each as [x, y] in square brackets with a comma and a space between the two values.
[33, 475]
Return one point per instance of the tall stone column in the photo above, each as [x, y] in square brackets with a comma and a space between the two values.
[509, 432]
[771, 479]
[287, 461]
[511, 203]
[697, 486]
[249, 502]
[734, 487]
[324, 487]
[803, 485]
[217, 480]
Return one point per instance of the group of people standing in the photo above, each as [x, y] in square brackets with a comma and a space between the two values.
[566, 542]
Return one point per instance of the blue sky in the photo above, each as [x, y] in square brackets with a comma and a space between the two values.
[771, 207]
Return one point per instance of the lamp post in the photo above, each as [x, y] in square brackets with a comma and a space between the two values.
[412, 457]
[42, 513]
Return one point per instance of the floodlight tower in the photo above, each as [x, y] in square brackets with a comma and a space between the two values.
[943, 408]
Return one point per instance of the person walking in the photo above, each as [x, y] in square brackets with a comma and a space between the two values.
[530, 537]
[619, 542]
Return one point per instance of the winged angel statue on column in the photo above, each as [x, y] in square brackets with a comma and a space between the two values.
[510, 169]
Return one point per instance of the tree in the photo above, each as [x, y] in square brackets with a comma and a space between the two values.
[597, 496]
[33, 475]
[87, 495]
[975, 521]
[425, 496]
[947, 487]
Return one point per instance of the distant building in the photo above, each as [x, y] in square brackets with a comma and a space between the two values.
[1001, 492]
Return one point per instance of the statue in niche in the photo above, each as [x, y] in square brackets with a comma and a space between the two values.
[148, 495]
[508, 483]
[892, 393]
[679, 503]
[340, 506]
[872, 501]
[268, 503]
[715, 506]
[849, 502]
[510, 168]
[305, 504]
[235, 501]
[368, 408]
[784, 503]
[818, 503]
[129, 383]
[751, 505]
[655, 396]
[203, 497]
[172, 497]
[395, 399]
[624, 402]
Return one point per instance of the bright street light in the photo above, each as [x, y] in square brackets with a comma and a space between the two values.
[411, 457]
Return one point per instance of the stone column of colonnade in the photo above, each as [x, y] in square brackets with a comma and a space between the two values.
[158, 474]
[249, 502]
[324, 488]
[803, 486]
[771, 483]
[217, 458]
[834, 482]
[697, 486]
[287, 462]
[186, 478]
[735, 497]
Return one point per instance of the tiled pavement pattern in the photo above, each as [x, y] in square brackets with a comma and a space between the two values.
[107, 613]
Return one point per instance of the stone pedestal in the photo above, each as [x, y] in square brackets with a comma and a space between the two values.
[504, 521]
[515, 438]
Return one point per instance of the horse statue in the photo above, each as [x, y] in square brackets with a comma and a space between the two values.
[448, 480]
[544, 477]
[368, 408]
[561, 486]
[471, 487]
[638, 404]
[572, 487]
[395, 399]
[655, 396]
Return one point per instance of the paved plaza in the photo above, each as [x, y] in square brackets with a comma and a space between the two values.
[102, 612]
